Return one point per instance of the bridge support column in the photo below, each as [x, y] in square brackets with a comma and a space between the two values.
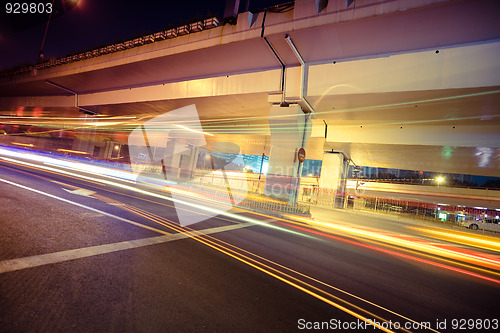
[85, 138]
[332, 182]
[290, 129]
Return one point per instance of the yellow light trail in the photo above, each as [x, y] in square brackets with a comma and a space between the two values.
[418, 253]
[266, 270]
[470, 257]
[73, 151]
[483, 242]
[311, 221]
[323, 224]
[397, 245]
[48, 171]
[23, 144]
[193, 130]
[212, 211]
[193, 234]
[239, 217]
[280, 275]
[85, 207]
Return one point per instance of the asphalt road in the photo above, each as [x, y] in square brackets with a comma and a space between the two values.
[83, 255]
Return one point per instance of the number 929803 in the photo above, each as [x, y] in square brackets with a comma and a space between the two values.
[28, 8]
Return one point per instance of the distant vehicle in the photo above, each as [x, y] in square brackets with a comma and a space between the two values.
[490, 224]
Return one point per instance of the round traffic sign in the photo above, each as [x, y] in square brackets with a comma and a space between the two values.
[301, 154]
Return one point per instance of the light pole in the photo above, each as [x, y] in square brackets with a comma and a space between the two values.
[40, 53]
[260, 171]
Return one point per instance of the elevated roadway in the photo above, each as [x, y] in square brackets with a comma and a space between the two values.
[401, 84]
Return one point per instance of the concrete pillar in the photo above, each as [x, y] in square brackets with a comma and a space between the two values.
[290, 129]
[332, 182]
[179, 159]
[165, 147]
[85, 136]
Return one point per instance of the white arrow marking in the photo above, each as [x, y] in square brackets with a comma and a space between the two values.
[81, 191]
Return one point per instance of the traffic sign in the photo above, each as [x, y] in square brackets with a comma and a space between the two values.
[301, 154]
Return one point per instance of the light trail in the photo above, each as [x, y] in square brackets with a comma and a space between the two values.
[73, 151]
[193, 130]
[236, 253]
[392, 243]
[416, 244]
[384, 238]
[371, 107]
[52, 172]
[361, 233]
[105, 172]
[210, 210]
[83, 206]
[404, 256]
[388, 239]
[483, 242]
[17, 264]
[195, 235]
[23, 144]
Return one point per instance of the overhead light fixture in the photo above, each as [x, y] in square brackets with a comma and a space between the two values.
[211, 23]
[172, 33]
[128, 44]
[195, 27]
[184, 30]
[193, 130]
[138, 41]
[160, 35]
[73, 151]
[149, 39]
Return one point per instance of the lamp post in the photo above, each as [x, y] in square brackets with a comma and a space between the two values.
[439, 180]
[40, 53]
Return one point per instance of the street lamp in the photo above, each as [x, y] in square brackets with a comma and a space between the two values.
[40, 53]
[207, 160]
[439, 180]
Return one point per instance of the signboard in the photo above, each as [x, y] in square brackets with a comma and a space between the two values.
[301, 155]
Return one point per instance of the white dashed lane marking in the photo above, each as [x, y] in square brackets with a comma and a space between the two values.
[57, 257]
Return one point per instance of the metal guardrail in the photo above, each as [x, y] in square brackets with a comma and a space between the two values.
[136, 42]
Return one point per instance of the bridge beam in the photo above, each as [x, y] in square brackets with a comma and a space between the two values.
[290, 130]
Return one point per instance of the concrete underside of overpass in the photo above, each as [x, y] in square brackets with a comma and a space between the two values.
[392, 83]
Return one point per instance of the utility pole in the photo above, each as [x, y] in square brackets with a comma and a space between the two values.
[40, 53]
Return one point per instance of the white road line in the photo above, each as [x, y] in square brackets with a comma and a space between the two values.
[57, 257]
[212, 212]
[86, 207]
[81, 191]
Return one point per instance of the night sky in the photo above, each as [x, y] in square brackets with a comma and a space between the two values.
[94, 23]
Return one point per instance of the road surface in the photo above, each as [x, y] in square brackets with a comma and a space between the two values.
[83, 252]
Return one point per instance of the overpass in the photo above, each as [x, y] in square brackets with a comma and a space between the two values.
[399, 84]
